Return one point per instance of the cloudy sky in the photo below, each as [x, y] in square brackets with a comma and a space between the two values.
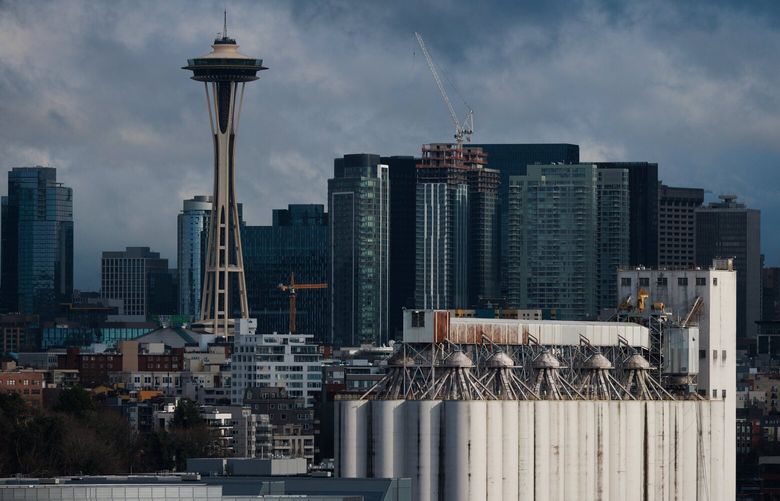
[96, 90]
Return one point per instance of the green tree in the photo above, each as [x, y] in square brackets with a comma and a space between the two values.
[75, 401]
[186, 415]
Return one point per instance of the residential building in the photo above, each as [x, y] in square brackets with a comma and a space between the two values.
[141, 280]
[728, 229]
[294, 246]
[677, 226]
[19, 333]
[553, 237]
[643, 212]
[290, 417]
[36, 244]
[457, 228]
[192, 222]
[614, 231]
[402, 172]
[359, 241]
[28, 383]
[289, 361]
[511, 159]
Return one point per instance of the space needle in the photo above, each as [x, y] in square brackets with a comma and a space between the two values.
[224, 72]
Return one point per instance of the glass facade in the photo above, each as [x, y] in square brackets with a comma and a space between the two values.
[37, 242]
[297, 242]
[457, 227]
[553, 219]
[192, 221]
[614, 232]
[359, 240]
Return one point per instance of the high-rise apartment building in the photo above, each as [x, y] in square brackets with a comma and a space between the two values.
[192, 221]
[613, 239]
[770, 294]
[677, 226]
[402, 172]
[511, 159]
[643, 216]
[568, 234]
[553, 225]
[141, 280]
[457, 227]
[359, 241]
[36, 251]
[728, 229]
[296, 243]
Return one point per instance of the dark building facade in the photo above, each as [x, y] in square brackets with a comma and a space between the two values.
[359, 242]
[512, 160]
[729, 229]
[296, 242]
[677, 226]
[643, 211]
[141, 280]
[37, 242]
[770, 294]
[403, 224]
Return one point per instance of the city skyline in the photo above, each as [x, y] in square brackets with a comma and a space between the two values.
[350, 79]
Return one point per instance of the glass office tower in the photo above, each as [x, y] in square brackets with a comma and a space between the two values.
[37, 242]
[297, 242]
[192, 221]
[359, 211]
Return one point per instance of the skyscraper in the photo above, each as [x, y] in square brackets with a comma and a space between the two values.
[770, 294]
[677, 226]
[567, 235]
[37, 242]
[643, 218]
[511, 159]
[224, 72]
[140, 279]
[614, 234]
[296, 242]
[402, 172]
[359, 239]
[728, 229]
[457, 226]
[192, 221]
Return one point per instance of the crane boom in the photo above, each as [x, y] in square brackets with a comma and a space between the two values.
[464, 129]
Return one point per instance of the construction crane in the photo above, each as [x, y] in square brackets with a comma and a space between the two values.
[463, 129]
[292, 289]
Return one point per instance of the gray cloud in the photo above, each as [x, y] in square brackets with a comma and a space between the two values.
[96, 90]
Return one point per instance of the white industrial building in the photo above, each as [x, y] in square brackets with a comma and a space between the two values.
[495, 409]
[289, 361]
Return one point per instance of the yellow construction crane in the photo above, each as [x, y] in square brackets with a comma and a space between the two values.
[291, 288]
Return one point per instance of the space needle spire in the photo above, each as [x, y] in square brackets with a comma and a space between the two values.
[224, 72]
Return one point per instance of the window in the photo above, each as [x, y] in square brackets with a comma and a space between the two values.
[702, 354]
[418, 319]
[701, 281]
[662, 281]
[714, 393]
[715, 281]
[644, 281]
[722, 393]
[723, 355]
[682, 280]
[625, 281]
[714, 354]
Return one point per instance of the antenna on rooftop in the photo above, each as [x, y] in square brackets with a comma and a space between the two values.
[224, 26]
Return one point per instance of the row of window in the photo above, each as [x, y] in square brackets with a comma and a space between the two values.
[663, 281]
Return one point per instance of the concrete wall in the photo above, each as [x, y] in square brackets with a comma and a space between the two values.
[545, 450]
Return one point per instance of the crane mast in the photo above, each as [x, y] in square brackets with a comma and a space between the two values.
[464, 129]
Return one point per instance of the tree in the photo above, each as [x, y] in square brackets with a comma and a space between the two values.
[75, 401]
[186, 415]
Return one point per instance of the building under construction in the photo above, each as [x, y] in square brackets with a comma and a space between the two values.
[457, 224]
[498, 409]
